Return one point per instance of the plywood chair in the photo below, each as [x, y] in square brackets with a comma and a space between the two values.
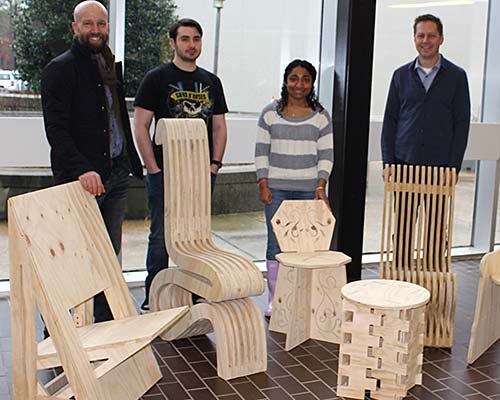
[225, 280]
[61, 256]
[486, 326]
[416, 240]
[307, 302]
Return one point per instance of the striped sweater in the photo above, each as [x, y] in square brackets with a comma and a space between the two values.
[293, 153]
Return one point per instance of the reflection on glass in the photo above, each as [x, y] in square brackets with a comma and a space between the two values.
[258, 40]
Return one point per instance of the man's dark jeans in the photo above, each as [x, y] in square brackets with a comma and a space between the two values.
[112, 205]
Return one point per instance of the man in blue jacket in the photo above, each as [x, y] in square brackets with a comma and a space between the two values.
[427, 115]
[87, 124]
[426, 120]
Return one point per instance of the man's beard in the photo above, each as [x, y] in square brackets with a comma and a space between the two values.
[84, 41]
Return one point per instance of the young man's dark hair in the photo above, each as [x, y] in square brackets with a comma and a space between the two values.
[428, 17]
[172, 33]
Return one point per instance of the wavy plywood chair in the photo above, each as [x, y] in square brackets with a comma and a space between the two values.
[223, 279]
[307, 302]
[61, 256]
[416, 240]
[486, 326]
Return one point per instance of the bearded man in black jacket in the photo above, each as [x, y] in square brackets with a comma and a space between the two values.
[87, 124]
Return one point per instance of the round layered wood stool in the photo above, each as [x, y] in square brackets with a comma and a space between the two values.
[382, 338]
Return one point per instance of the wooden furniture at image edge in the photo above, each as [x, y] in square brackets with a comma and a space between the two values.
[485, 329]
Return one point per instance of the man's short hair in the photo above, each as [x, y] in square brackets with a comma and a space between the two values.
[428, 17]
[184, 22]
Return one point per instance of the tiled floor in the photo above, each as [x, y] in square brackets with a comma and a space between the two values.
[308, 371]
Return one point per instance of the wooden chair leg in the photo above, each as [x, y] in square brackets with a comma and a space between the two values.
[142, 366]
[238, 326]
[23, 326]
[240, 336]
[326, 303]
[283, 300]
[299, 328]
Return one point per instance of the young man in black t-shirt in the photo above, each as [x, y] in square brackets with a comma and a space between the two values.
[179, 89]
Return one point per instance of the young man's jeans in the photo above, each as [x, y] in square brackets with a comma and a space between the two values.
[278, 196]
[157, 256]
[112, 205]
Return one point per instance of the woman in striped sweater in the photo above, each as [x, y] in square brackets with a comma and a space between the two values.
[293, 152]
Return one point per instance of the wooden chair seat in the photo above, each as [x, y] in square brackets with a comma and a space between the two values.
[307, 302]
[485, 329]
[223, 280]
[417, 228]
[313, 260]
[61, 256]
[215, 274]
[126, 335]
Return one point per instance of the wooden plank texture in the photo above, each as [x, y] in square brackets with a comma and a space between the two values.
[307, 301]
[486, 326]
[417, 228]
[222, 279]
[61, 256]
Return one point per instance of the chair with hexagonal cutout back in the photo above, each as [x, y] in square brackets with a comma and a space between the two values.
[307, 302]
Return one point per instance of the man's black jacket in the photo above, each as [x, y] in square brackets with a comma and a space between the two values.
[74, 112]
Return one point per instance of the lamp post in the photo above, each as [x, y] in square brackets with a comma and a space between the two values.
[218, 5]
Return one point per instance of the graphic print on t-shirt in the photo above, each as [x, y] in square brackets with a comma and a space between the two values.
[195, 103]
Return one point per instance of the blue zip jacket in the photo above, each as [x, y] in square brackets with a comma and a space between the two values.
[427, 128]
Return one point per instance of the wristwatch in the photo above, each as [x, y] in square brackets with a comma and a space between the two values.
[216, 162]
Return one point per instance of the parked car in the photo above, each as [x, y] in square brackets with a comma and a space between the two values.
[7, 80]
[11, 81]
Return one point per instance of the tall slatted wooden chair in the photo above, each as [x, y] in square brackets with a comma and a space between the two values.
[223, 279]
[61, 256]
[486, 326]
[416, 240]
[307, 302]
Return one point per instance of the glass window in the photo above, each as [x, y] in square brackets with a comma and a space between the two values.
[258, 39]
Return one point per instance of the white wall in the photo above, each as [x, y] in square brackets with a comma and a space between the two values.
[27, 146]
[24, 143]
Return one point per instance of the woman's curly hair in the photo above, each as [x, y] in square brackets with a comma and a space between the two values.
[312, 99]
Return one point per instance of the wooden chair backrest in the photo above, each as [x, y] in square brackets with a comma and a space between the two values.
[61, 256]
[62, 231]
[187, 202]
[208, 271]
[418, 218]
[303, 226]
